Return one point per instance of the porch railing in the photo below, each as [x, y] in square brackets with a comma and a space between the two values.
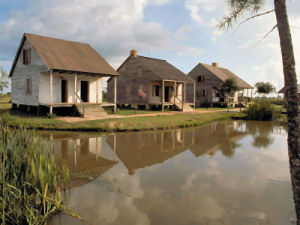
[182, 103]
[82, 103]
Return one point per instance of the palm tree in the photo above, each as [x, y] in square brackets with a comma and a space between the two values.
[237, 9]
[229, 87]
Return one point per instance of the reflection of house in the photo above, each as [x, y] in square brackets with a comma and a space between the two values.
[51, 72]
[139, 150]
[150, 82]
[209, 80]
[216, 137]
[83, 156]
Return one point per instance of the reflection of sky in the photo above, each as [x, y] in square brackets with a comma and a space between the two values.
[252, 187]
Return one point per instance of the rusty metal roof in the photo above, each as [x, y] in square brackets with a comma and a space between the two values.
[71, 56]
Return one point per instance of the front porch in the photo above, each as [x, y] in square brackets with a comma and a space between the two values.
[173, 93]
[59, 89]
[240, 97]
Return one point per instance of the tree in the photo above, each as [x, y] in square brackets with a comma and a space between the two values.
[3, 80]
[238, 8]
[229, 87]
[264, 88]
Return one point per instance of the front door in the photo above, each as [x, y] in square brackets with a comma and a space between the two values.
[84, 91]
[167, 94]
[64, 91]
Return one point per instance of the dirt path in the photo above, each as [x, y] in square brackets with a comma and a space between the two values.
[80, 119]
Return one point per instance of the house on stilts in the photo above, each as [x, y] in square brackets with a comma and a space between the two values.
[209, 80]
[151, 83]
[57, 75]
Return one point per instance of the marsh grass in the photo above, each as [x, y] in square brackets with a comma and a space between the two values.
[31, 183]
[262, 110]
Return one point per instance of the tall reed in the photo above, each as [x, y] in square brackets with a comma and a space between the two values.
[30, 181]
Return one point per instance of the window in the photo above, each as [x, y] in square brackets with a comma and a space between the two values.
[26, 56]
[200, 79]
[156, 90]
[28, 87]
[204, 93]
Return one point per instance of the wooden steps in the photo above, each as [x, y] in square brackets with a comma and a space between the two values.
[186, 107]
[90, 110]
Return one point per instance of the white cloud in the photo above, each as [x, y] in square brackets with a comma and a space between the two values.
[112, 27]
[191, 51]
[201, 11]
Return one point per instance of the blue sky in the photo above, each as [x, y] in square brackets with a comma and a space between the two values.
[183, 32]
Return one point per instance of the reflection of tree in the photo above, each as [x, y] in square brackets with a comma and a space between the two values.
[261, 133]
[262, 141]
[228, 146]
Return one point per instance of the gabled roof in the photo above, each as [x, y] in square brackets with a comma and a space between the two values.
[223, 74]
[161, 68]
[65, 55]
[283, 89]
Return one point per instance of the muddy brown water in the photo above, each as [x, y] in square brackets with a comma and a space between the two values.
[233, 173]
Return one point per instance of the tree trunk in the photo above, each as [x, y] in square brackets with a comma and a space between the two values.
[290, 80]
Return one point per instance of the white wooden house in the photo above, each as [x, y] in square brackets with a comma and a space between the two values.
[57, 73]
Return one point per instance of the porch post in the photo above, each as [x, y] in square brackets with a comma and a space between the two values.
[115, 94]
[251, 93]
[194, 95]
[75, 88]
[175, 92]
[51, 84]
[163, 95]
[184, 98]
[97, 89]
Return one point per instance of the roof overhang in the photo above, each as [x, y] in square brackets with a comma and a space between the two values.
[83, 73]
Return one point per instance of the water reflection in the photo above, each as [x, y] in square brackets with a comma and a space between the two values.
[222, 173]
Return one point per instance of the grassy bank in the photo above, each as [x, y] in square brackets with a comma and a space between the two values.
[17, 119]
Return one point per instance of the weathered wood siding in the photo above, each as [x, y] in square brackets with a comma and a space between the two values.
[210, 81]
[22, 73]
[134, 85]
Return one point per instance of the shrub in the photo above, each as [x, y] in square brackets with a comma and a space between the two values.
[262, 110]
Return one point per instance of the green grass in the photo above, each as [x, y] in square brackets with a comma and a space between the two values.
[128, 112]
[211, 109]
[17, 119]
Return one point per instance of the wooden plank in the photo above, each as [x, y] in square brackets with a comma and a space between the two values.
[163, 94]
[195, 89]
[75, 88]
[51, 90]
[115, 94]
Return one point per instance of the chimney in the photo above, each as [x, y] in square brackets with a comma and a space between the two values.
[215, 64]
[133, 53]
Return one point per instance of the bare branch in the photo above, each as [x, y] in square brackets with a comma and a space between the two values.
[266, 35]
[252, 17]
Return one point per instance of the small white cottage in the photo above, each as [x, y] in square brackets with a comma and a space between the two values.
[51, 72]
